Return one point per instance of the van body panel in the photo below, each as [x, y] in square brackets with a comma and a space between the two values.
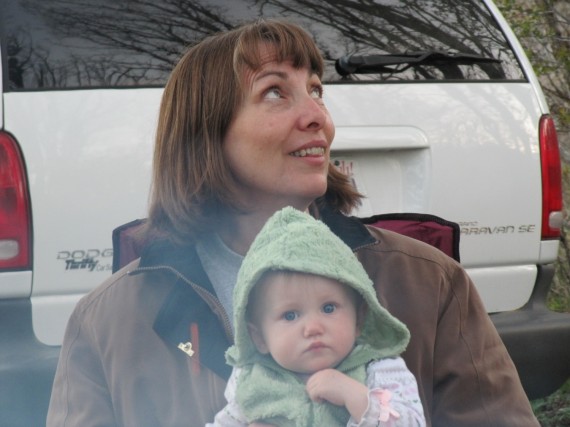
[101, 142]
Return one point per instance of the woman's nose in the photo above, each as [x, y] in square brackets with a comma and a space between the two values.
[312, 113]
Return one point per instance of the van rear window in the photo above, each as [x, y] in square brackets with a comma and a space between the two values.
[72, 44]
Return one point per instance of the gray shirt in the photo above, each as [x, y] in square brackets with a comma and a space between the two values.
[221, 265]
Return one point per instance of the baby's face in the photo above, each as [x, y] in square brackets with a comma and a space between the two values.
[307, 323]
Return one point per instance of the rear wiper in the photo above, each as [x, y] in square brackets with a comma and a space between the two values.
[363, 64]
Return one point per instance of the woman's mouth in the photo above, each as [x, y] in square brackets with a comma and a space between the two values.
[313, 151]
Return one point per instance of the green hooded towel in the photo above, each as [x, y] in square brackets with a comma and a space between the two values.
[294, 241]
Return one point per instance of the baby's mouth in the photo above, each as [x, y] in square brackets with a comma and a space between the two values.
[316, 346]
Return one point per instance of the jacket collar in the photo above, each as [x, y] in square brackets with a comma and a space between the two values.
[349, 228]
[183, 310]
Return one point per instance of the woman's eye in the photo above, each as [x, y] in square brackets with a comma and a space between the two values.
[317, 92]
[273, 93]
[329, 308]
[289, 316]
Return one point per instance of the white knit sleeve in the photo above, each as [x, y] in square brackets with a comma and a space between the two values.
[230, 415]
[393, 399]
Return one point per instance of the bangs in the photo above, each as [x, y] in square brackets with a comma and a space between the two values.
[288, 43]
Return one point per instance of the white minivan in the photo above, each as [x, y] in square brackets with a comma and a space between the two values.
[437, 111]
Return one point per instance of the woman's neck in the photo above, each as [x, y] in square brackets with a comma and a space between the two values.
[239, 231]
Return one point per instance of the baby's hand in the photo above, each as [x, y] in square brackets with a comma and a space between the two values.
[338, 389]
[330, 385]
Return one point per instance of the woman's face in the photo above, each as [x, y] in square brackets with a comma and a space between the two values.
[278, 144]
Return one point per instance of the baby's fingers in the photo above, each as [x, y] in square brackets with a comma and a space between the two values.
[326, 385]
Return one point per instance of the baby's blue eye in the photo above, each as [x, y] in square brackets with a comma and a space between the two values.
[290, 315]
[328, 308]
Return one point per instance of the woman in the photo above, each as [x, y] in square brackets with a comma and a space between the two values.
[243, 131]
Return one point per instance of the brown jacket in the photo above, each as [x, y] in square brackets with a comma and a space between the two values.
[120, 364]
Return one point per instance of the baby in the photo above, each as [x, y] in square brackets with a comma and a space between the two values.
[313, 347]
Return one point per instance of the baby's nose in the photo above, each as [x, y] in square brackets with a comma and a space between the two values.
[313, 326]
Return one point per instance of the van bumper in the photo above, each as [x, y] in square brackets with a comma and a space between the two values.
[27, 367]
[538, 340]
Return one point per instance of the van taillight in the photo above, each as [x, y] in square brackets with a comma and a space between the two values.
[15, 228]
[551, 179]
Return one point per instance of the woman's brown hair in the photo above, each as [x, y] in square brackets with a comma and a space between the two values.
[192, 184]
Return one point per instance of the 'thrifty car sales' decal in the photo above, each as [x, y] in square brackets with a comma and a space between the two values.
[87, 259]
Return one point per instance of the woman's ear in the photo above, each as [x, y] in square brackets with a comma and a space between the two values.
[257, 337]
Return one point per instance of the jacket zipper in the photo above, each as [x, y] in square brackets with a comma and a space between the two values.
[365, 245]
